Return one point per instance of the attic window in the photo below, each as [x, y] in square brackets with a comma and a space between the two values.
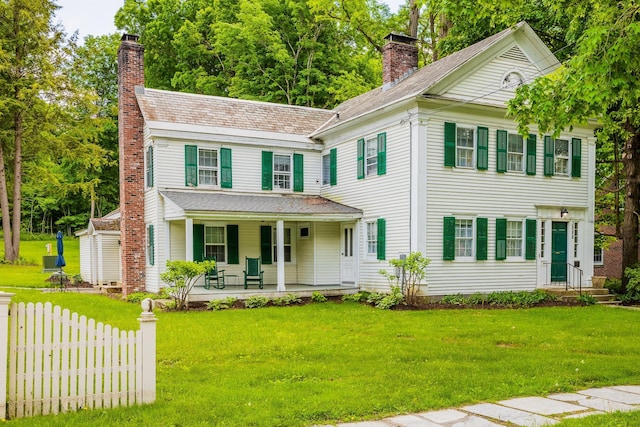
[512, 80]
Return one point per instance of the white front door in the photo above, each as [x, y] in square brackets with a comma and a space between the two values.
[347, 258]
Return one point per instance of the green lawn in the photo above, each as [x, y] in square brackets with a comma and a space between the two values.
[31, 276]
[328, 362]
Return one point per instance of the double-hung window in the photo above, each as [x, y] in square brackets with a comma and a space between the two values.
[515, 153]
[214, 243]
[326, 169]
[372, 156]
[287, 245]
[465, 147]
[464, 238]
[330, 167]
[149, 167]
[562, 157]
[514, 239]
[207, 167]
[376, 238]
[282, 171]
[598, 256]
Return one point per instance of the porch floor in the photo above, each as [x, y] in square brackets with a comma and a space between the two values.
[199, 294]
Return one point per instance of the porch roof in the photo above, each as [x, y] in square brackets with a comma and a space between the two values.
[200, 202]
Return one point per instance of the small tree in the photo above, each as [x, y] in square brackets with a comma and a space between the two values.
[410, 272]
[181, 276]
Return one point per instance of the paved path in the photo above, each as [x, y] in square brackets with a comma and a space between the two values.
[522, 411]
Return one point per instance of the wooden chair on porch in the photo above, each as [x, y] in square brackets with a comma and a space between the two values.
[253, 272]
[214, 276]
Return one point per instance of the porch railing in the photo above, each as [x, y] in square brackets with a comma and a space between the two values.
[572, 274]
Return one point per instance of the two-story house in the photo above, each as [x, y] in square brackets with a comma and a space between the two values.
[428, 162]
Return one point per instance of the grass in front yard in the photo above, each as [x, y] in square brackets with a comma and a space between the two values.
[329, 362]
[30, 275]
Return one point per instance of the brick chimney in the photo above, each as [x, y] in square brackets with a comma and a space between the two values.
[131, 140]
[399, 58]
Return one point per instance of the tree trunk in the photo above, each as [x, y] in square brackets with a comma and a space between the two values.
[4, 206]
[414, 16]
[631, 161]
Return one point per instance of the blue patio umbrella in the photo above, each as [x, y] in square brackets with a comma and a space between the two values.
[60, 259]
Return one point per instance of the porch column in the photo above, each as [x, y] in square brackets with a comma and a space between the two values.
[280, 252]
[188, 239]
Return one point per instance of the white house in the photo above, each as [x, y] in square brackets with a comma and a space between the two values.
[428, 162]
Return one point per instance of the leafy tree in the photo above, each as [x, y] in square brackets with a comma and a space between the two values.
[602, 81]
[43, 116]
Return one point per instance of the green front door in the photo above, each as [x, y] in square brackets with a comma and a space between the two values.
[559, 252]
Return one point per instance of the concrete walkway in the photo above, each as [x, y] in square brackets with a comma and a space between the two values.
[523, 411]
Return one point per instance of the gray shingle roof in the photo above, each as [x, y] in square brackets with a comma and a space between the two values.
[412, 86]
[203, 110]
[201, 201]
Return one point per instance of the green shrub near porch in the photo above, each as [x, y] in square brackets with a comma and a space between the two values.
[321, 363]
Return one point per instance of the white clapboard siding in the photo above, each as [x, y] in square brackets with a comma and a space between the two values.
[386, 196]
[60, 361]
[470, 193]
[86, 254]
[327, 238]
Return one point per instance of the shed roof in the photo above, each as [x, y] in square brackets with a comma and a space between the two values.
[197, 201]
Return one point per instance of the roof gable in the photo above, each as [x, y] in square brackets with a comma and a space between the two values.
[436, 77]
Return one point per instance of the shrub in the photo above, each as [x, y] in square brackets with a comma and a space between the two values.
[391, 300]
[318, 297]
[361, 296]
[586, 299]
[375, 297]
[613, 284]
[221, 304]
[288, 299]
[137, 297]
[632, 295]
[181, 276]
[457, 299]
[256, 301]
[410, 272]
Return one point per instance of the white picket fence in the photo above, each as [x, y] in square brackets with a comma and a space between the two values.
[60, 361]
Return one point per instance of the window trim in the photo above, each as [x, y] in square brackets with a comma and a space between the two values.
[368, 242]
[224, 244]
[599, 251]
[473, 149]
[472, 239]
[289, 173]
[274, 241]
[326, 169]
[522, 153]
[149, 172]
[566, 158]
[522, 239]
[374, 165]
[215, 169]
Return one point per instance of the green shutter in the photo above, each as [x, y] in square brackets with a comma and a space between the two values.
[501, 142]
[382, 239]
[233, 248]
[501, 239]
[576, 157]
[382, 153]
[191, 165]
[198, 242]
[531, 154]
[150, 167]
[449, 144]
[226, 175]
[482, 225]
[266, 246]
[548, 156]
[298, 173]
[482, 160]
[530, 248]
[449, 238]
[267, 170]
[151, 244]
[333, 166]
[360, 164]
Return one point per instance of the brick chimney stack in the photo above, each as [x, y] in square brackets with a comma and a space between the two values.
[399, 58]
[131, 160]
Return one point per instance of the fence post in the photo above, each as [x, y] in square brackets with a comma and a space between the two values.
[5, 300]
[148, 331]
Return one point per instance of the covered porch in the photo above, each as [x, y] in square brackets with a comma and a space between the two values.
[304, 243]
